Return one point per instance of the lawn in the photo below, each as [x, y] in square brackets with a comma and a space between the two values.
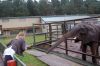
[31, 60]
[28, 59]
[38, 38]
[29, 39]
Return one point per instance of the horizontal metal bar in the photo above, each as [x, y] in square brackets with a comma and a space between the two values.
[80, 52]
[22, 64]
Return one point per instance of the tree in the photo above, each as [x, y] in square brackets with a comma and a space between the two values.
[90, 6]
[6, 9]
[56, 7]
[32, 7]
[36, 7]
[64, 4]
[11, 8]
[44, 7]
[0, 8]
[20, 8]
[77, 4]
[97, 9]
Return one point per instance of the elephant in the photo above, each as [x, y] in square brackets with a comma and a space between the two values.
[88, 33]
[83, 48]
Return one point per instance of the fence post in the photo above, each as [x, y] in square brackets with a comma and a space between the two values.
[34, 35]
[50, 33]
[66, 46]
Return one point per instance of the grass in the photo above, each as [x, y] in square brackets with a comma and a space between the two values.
[29, 39]
[5, 40]
[28, 59]
[31, 60]
[38, 38]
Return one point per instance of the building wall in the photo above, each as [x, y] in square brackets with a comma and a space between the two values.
[10, 24]
[22, 22]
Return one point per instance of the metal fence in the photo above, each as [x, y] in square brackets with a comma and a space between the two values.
[19, 62]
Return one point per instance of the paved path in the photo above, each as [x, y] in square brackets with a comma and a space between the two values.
[51, 59]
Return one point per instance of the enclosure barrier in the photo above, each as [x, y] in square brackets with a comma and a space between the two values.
[64, 29]
[66, 49]
[48, 32]
[19, 62]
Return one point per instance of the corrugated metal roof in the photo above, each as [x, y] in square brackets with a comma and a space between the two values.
[61, 18]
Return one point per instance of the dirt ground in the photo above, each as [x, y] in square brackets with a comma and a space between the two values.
[76, 47]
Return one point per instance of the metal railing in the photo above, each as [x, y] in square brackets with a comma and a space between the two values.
[19, 62]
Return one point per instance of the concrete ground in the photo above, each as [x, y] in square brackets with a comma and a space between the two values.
[51, 59]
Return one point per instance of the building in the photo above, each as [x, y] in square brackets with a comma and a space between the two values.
[59, 19]
[12, 25]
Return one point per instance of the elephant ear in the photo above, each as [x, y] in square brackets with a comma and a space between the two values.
[89, 26]
[82, 32]
[84, 29]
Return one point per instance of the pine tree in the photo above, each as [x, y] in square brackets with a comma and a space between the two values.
[56, 7]
[31, 8]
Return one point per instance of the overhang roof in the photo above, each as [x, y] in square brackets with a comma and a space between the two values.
[61, 18]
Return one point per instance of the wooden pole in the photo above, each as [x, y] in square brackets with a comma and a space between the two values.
[45, 36]
[66, 46]
[0, 29]
[57, 31]
[34, 35]
[50, 33]
[65, 40]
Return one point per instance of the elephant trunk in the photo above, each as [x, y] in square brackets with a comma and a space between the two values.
[65, 36]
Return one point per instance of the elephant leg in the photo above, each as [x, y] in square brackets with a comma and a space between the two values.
[97, 50]
[94, 51]
[84, 47]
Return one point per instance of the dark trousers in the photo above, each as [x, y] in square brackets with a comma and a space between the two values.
[7, 58]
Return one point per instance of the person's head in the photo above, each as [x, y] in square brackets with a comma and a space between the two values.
[20, 35]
